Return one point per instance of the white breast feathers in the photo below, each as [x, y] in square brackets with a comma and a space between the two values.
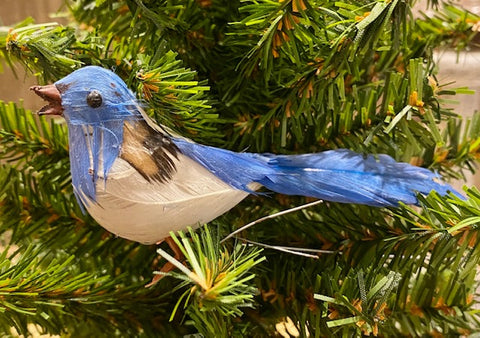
[131, 207]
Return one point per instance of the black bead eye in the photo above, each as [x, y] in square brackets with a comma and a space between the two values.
[94, 99]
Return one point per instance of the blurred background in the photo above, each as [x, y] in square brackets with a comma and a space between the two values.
[463, 69]
[14, 87]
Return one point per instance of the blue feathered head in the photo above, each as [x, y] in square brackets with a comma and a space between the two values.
[92, 94]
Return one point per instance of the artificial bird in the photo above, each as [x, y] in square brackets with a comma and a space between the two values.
[140, 181]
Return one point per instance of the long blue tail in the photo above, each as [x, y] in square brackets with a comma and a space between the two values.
[335, 175]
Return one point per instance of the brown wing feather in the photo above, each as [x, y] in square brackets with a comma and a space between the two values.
[149, 151]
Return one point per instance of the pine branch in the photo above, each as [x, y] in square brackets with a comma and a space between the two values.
[30, 142]
[425, 256]
[292, 76]
[44, 48]
[217, 286]
[53, 293]
[453, 27]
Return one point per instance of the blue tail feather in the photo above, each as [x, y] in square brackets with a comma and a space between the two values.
[335, 175]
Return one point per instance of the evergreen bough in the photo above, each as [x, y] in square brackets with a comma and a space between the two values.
[290, 76]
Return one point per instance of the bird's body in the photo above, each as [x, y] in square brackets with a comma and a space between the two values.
[134, 208]
[131, 205]
[140, 182]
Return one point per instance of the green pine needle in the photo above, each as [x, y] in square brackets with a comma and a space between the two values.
[217, 280]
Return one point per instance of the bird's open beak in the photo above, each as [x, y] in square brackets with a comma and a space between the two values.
[50, 94]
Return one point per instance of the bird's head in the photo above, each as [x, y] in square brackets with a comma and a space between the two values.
[89, 95]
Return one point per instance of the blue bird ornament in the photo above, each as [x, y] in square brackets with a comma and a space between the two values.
[140, 181]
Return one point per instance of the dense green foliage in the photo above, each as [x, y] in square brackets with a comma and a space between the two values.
[272, 76]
